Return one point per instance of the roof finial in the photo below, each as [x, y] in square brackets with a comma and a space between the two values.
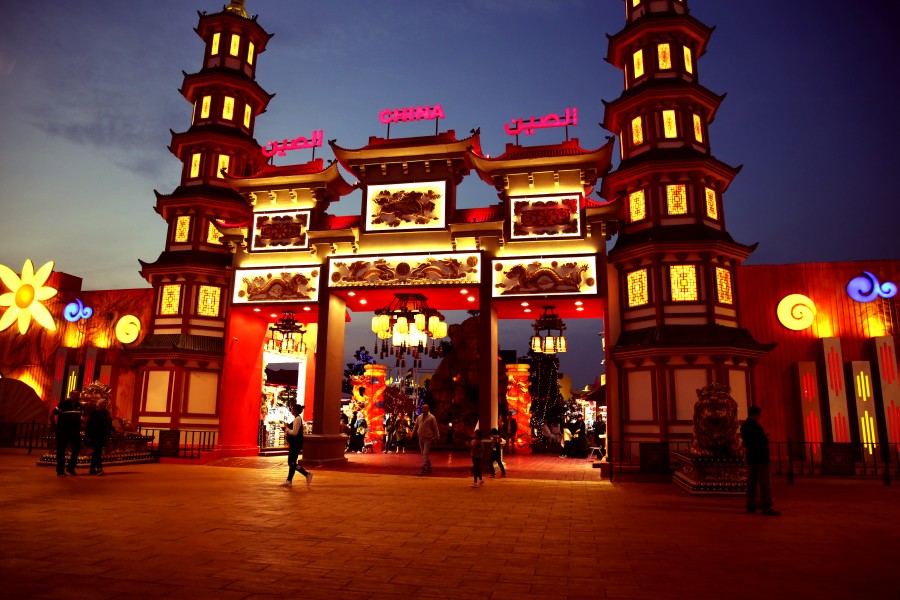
[237, 7]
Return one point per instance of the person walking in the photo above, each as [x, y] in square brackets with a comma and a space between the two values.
[497, 443]
[66, 419]
[426, 428]
[96, 435]
[477, 452]
[759, 481]
[293, 433]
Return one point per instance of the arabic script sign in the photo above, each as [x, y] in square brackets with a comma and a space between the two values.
[517, 126]
[280, 148]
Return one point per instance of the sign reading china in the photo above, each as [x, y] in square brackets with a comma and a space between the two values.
[279, 148]
[517, 126]
[411, 113]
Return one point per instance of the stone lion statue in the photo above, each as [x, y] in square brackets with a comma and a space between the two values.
[716, 423]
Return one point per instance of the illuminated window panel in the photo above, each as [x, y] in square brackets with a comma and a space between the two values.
[698, 128]
[224, 161]
[171, 299]
[684, 282]
[235, 44]
[195, 165]
[638, 60]
[676, 199]
[723, 286]
[215, 43]
[712, 207]
[637, 204]
[636, 282]
[228, 108]
[247, 116]
[182, 229]
[664, 54]
[670, 128]
[208, 301]
[688, 60]
[637, 131]
[213, 235]
[635, 2]
[251, 48]
[204, 106]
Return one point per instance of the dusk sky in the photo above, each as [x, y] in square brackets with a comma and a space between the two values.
[89, 92]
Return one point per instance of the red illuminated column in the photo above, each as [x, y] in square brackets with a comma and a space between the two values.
[375, 384]
[809, 406]
[519, 400]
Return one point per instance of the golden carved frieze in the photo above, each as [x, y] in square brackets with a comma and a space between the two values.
[282, 230]
[406, 206]
[551, 216]
[276, 284]
[554, 275]
[406, 270]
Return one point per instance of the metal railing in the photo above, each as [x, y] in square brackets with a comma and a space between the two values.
[24, 435]
[180, 443]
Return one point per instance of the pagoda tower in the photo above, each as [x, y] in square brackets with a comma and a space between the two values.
[180, 361]
[674, 322]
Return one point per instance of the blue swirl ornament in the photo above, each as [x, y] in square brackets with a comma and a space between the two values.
[867, 288]
[75, 311]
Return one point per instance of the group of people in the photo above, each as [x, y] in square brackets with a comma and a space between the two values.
[66, 420]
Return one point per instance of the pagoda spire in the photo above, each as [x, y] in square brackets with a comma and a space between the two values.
[237, 7]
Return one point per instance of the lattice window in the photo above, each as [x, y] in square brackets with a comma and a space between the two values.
[213, 235]
[182, 229]
[723, 286]
[235, 44]
[712, 207]
[664, 53]
[684, 282]
[208, 301]
[676, 199]
[638, 294]
[215, 43]
[195, 165]
[638, 60]
[637, 131]
[670, 127]
[637, 205]
[228, 108]
[171, 300]
[698, 129]
[251, 49]
[204, 107]
[688, 60]
[247, 116]
[224, 161]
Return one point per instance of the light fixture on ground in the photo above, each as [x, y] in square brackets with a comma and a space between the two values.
[404, 328]
[549, 343]
[282, 335]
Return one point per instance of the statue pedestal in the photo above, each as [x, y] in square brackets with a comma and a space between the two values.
[709, 476]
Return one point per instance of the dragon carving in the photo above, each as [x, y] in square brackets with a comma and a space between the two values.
[405, 207]
[289, 286]
[380, 271]
[537, 279]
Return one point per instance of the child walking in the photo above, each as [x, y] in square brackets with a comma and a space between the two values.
[477, 455]
[497, 452]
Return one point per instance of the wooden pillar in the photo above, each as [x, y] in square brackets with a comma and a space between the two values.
[487, 384]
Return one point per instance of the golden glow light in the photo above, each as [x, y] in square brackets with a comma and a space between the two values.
[128, 328]
[224, 161]
[723, 286]
[195, 164]
[712, 208]
[247, 115]
[637, 205]
[25, 297]
[213, 235]
[228, 108]
[208, 301]
[215, 44]
[676, 199]
[684, 282]
[182, 228]
[251, 49]
[670, 128]
[204, 107]
[688, 61]
[171, 300]
[637, 131]
[636, 282]
[698, 129]
[638, 60]
[796, 312]
[235, 44]
[664, 53]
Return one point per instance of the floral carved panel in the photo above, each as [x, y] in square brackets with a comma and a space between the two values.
[551, 216]
[283, 230]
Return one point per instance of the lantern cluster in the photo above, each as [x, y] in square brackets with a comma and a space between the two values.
[408, 327]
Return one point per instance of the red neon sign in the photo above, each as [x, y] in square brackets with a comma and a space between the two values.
[517, 126]
[279, 148]
[411, 113]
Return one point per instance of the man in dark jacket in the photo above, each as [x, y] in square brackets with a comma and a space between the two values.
[759, 482]
[66, 418]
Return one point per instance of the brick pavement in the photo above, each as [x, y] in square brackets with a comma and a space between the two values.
[374, 531]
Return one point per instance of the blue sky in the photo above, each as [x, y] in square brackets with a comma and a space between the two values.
[88, 94]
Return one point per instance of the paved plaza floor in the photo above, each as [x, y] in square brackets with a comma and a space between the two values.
[373, 530]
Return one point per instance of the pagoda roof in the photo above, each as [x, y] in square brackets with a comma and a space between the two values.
[524, 159]
[661, 92]
[660, 237]
[310, 174]
[200, 258]
[380, 150]
[655, 23]
[716, 338]
[666, 160]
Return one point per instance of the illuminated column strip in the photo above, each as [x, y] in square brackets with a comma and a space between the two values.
[865, 404]
[90, 365]
[836, 390]
[809, 405]
[518, 400]
[886, 364]
[59, 372]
